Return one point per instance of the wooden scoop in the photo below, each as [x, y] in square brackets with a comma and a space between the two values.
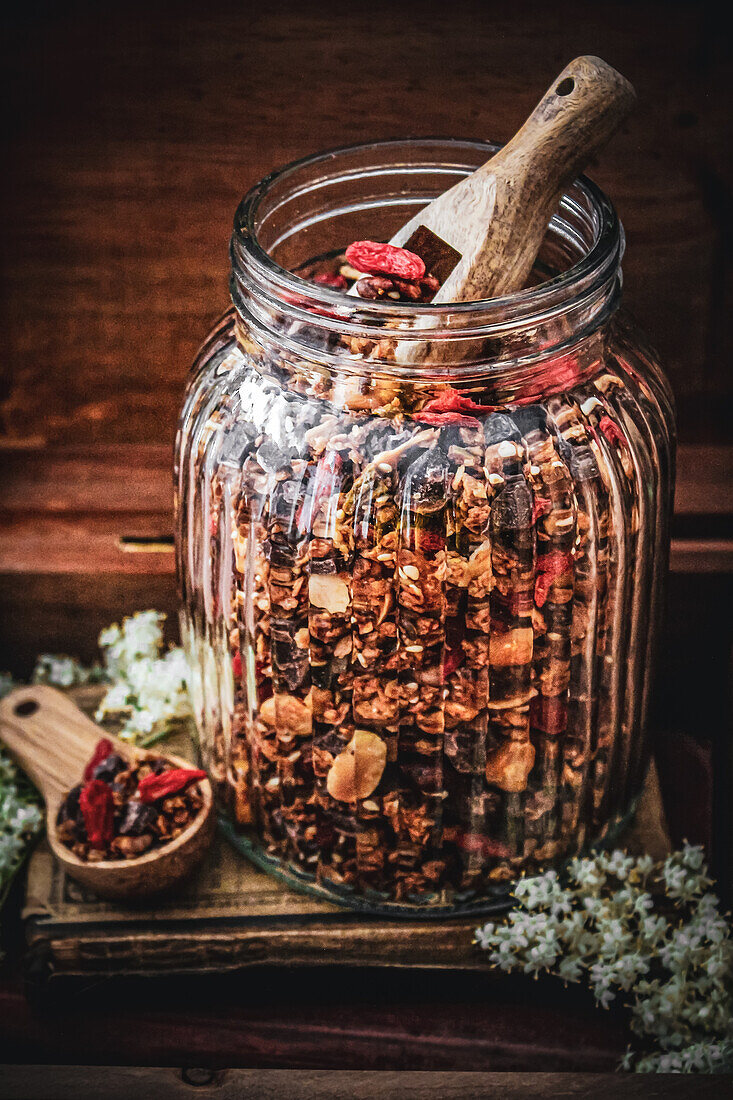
[53, 741]
[481, 237]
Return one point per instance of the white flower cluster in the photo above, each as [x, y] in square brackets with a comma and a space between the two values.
[65, 672]
[148, 689]
[630, 925]
[20, 820]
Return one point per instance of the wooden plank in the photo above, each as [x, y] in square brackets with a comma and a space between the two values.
[324, 1018]
[121, 1082]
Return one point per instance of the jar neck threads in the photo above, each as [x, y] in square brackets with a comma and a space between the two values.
[318, 205]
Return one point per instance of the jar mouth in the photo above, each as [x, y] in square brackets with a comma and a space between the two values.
[586, 223]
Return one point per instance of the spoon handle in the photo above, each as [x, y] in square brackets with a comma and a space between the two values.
[575, 118]
[48, 737]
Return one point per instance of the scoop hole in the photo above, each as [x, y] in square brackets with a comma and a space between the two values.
[565, 86]
[26, 708]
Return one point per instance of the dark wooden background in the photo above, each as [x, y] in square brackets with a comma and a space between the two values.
[133, 129]
[130, 132]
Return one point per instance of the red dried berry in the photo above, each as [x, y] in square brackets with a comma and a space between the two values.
[453, 658]
[104, 749]
[97, 807]
[450, 400]
[540, 507]
[384, 259]
[612, 431]
[153, 787]
[548, 713]
[237, 666]
[438, 419]
[332, 279]
[549, 568]
[482, 845]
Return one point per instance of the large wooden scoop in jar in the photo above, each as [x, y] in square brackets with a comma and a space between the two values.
[52, 741]
[481, 237]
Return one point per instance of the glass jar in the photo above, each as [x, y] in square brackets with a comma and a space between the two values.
[421, 549]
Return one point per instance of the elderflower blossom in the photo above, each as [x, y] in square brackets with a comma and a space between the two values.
[149, 689]
[650, 931]
[20, 820]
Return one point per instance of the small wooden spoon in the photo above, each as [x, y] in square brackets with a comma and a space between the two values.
[482, 236]
[53, 741]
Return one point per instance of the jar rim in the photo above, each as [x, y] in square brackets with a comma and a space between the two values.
[584, 278]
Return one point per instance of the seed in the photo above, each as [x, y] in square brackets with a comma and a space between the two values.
[496, 479]
[411, 572]
[414, 648]
[507, 449]
[384, 467]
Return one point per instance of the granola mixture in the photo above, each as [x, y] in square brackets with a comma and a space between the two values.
[418, 620]
[123, 809]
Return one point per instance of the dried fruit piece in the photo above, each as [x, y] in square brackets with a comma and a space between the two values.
[549, 568]
[97, 806]
[101, 752]
[509, 766]
[439, 418]
[451, 400]
[332, 279]
[153, 787]
[356, 772]
[384, 259]
[329, 592]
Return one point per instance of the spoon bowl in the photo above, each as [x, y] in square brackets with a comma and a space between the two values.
[53, 741]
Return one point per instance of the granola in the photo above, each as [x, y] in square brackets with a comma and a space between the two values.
[410, 623]
[124, 808]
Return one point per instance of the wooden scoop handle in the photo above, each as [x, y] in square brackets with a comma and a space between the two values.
[48, 737]
[577, 115]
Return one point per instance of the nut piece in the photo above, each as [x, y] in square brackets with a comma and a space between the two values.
[329, 592]
[288, 713]
[509, 766]
[512, 648]
[356, 772]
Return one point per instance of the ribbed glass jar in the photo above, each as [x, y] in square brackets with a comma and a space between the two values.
[420, 632]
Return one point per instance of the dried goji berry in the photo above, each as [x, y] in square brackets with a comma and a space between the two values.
[437, 419]
[541, 506]
[97, 807]
[549, 568]
[483, 845]
[384, 259]
[452, 659]
[237, 666]
[612, 431]
[548, 713]
[153, 787]
[332, 279]
[450, 400]
[102, 751]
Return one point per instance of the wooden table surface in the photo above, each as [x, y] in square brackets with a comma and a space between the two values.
[131, 131]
